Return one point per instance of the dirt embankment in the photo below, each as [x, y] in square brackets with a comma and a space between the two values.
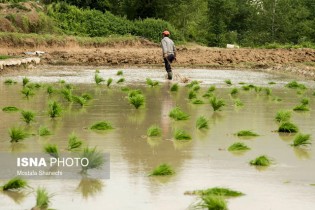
[140, 52]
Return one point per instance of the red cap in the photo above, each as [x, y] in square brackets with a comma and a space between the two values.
[167, 33]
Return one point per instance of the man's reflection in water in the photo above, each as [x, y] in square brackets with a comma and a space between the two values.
[167, 105]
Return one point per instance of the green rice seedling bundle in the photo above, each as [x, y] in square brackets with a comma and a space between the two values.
[9, 82]
[295, 85]
[162, 170]
[192, 83]
[177, 114]
[202, 123]
[195, 88]
[28, 116]
[301, 140]
[79, 100]
[181, 135]
[25, 81]
[74, 142]
[44, 131]
[192, 94]
[197, 101]
[152, 83]
[301, 107]
[154, 131]
[137, 100]
[216, 103]
[55, 109]
[86, 96]
[67, 94]
[212, 202]
[42, 199]
[246, 133]
[305, 101]
[95, 157]
[238, 103]
[121, 80]
[119, 73]
[217, 191]
[10, 109]
[50, 90]
[228, 82]
[27, 92]
[238, 146]
[234, 91]
[174, 87]
[102, 126]
[52, 150]
[14, 184]
[261, 161]
[17, 134]
[288, 127]
[283, 116]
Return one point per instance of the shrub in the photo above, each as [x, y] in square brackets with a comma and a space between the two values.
[211, 202]
[162, 170]
[228, 82]
[295, 85]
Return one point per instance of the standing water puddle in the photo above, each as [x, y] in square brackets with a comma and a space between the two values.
[201, 163]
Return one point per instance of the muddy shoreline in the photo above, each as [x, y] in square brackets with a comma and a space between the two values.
[299, 62]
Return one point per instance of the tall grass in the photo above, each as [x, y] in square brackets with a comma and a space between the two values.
[181, 135]
[151, 83]
[246, 133]
[52, 150]
[28, 116]
[10, 109]
[283, 116]
[25, 81]
[102, 126]
[202, 123]
[162, 170]
[216, 103]
[74, 142]
[14, 184]
[238, 146]
[98, 79]
[44, 131]
[42, 198]
[55, 109]
[261, 161]
[95, 159]
[17, 134]
[154, 130]
[288, 127]
[301, 140]
[174, 87]
[137, 100]
[177, 114]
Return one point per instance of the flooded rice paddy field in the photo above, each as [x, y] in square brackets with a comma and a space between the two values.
[200, 163]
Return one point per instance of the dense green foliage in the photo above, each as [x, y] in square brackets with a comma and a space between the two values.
[267, 23]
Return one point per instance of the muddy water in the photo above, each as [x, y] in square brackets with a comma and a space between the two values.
[200, 163]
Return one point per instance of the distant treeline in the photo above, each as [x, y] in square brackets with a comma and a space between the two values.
[211, 22]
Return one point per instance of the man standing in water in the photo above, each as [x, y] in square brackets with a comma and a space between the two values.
[169, 53]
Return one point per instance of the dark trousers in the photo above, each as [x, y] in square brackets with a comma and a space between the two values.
[168, 61]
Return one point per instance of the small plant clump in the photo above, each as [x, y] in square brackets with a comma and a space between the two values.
[25, 81]
[154, 131]
[177, 114]
[55, 109]
[202, 123]
[17, 134]
[301, 140]
[119, 73]
[162, 170]
[137, 100]
[238, 146]
[52, 150]
[14, 184]
[288, 127]
[182, 135]
[109, 82]
[42, 199]
[217, 191]
[28, 116]
[246, 133]
[121, 80]
[95, 157]
[208, 95]
[50, 90]
[152, 83]
[301, 107]
[295, 85]
[67, 94]
[211, 89]
[9, 82]
[283, 116]
[246, 87]
[272, 83]
[10, 109]
[268, 91]
[102, 126]
[174, 87]
[211, 202]
[238, 103]
[86, 96]
[98, 79]
[80, 100]
[73, 142]
[261, 161]
[132, 93]
[197, 101]
[192, 83]
[192, 94]
[228, 82]
[27, 92]
[216, 103]
[305, 101]
[234, 91]
[44, 131]
[195, 88]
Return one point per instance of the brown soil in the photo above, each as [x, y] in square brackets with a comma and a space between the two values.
[297, 61]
